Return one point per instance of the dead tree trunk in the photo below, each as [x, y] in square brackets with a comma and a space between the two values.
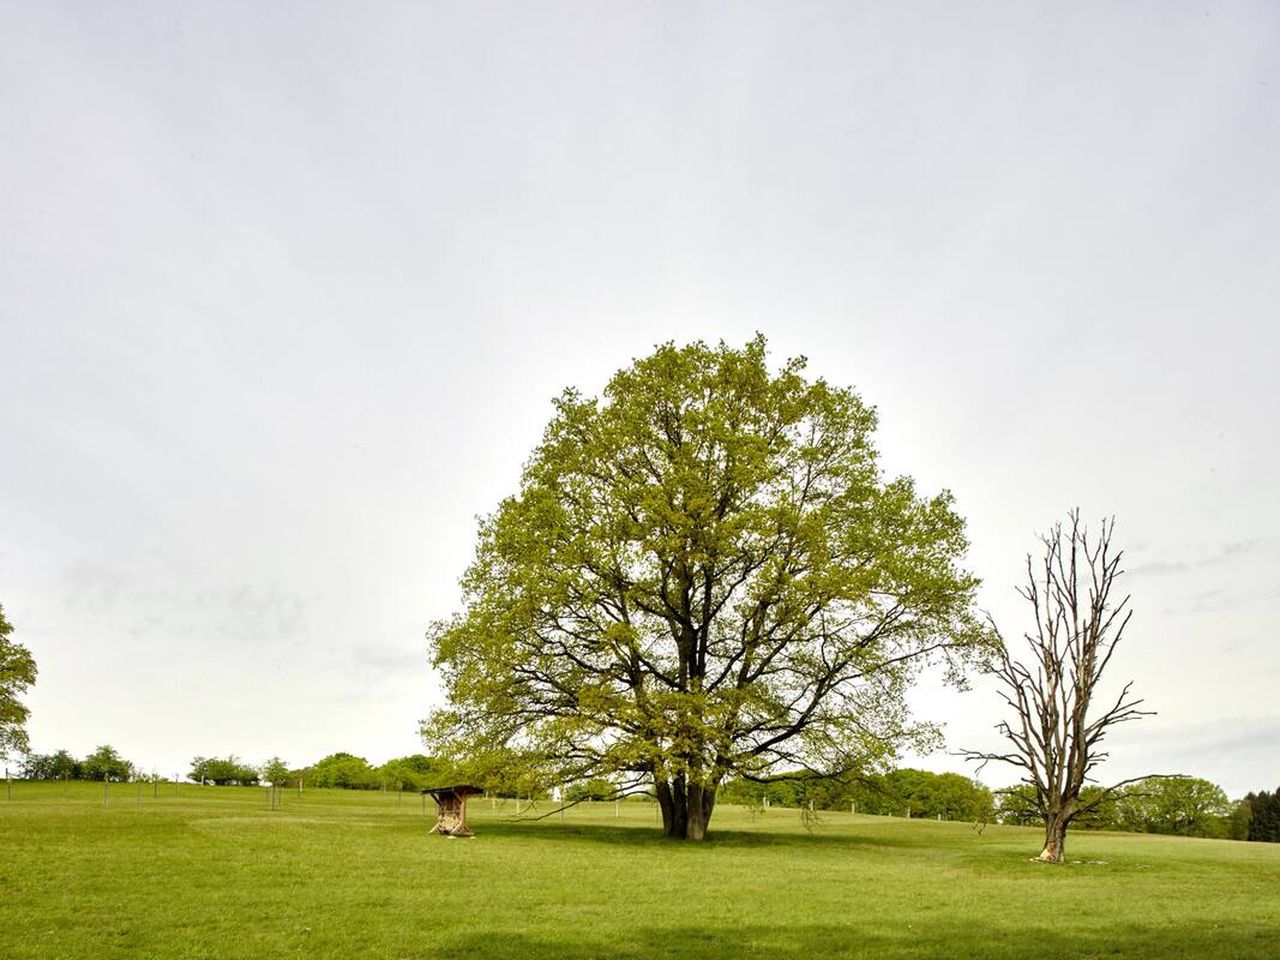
[1055, 735]
[1055, 838]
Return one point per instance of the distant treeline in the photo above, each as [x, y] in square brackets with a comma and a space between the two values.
[1182, 806]
[343, 770]
[900, 793]
[103, 764]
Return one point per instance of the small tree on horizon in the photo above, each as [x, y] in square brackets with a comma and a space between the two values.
[1056, 734]
[105, 763]
[276, 772]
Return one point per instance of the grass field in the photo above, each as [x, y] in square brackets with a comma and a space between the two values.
[212, 872]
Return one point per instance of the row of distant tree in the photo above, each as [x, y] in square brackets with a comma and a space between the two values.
[903, 792]
[1183, 806]
[342, 770]
[105, 763]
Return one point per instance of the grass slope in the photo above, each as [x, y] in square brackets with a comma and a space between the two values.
[211, 872]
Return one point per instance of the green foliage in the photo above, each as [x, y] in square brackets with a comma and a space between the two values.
[223, 771]
[415, 772]
[1185, 806]
[923, 793]
[105, 763]
[596, 788]
[1264, 816]
[1239, 819]
[275, 772]
[950, 796]
[1016, 806]
[17, 673]
[52, 766]
[704, 575]
[344, 770]
[1182, 806]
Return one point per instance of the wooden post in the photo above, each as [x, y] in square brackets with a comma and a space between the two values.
[8, 784]
[106, 791]
[617, 811]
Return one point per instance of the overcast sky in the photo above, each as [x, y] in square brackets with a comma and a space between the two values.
[286, 289]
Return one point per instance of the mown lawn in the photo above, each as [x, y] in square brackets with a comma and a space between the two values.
[212, 872]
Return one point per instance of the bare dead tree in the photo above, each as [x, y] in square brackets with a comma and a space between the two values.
[1057, 730]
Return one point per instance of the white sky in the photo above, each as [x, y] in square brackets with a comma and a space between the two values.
[285, 291]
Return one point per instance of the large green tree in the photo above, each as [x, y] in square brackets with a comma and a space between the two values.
[17, 673]
[704, 574]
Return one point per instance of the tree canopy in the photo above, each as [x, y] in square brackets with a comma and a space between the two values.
[704, 574]
[224, 771]
[105, 763]
[60, 765]
[345, 770]
[1263, 815]
[17, 673]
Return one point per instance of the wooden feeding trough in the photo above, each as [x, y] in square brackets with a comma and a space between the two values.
[451, 809]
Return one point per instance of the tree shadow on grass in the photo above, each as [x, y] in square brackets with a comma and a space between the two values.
[646, 836]
[862, 939]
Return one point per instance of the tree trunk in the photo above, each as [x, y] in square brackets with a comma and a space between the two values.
[686, 808]
[1055, 838]
[697, 818]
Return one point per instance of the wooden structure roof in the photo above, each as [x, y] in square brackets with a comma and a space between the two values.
[451, 809]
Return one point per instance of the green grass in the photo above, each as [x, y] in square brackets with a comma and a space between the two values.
[211, 872]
